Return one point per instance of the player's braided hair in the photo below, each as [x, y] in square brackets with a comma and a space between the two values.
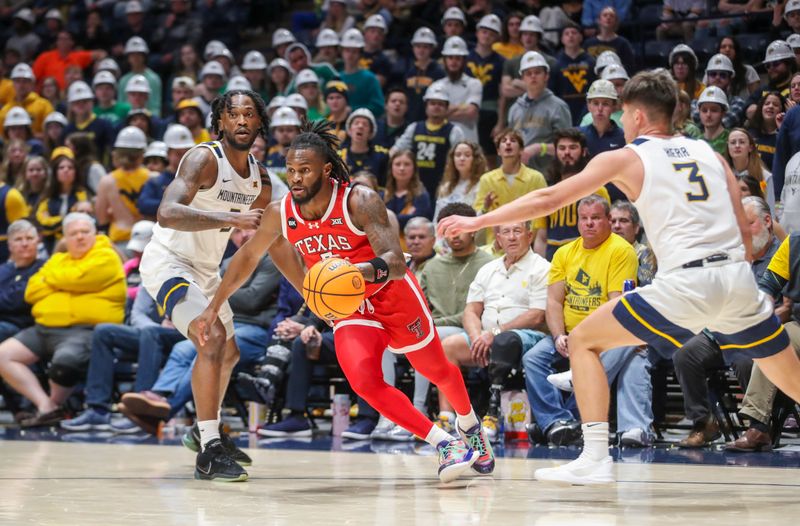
[225, 101]
[319, 136]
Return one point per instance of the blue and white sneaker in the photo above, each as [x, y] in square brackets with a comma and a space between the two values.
[360, 429]
[477, 439]
[125, 426]
[291, 426]
[89, 420]
[455, 457]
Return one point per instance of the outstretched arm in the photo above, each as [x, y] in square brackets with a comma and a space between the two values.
[198, 170]
[621, 166]
[245, 261]
[369, 214]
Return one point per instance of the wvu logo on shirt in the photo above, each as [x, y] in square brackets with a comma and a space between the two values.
[576, 77]
[583, 278]
[583, 295]
[482, 72]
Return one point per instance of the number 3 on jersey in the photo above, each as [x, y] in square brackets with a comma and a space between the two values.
[695, 177]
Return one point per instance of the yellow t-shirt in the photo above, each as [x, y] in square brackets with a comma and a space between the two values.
[202, 137]
[590, 274]
[508, 50]
[779, 264]
[129, 185]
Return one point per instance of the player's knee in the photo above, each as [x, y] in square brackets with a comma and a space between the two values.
[366, 385]
[64, 374]
[214, 348]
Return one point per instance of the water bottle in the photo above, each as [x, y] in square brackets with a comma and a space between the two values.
[341, 414]
[628, 285]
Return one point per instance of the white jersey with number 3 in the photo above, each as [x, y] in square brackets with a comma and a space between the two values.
[684, 205]
[229, 193]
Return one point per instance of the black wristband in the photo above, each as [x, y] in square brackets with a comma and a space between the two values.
[381, 270]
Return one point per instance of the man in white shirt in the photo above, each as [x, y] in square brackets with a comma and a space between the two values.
[505, 308]
[466, 93]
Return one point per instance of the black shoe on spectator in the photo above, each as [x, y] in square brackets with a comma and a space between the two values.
[535, 434]
[214, 463]
[51, 418]
[192, 441]
[564, 433]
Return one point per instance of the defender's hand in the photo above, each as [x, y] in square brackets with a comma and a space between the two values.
[454, 225]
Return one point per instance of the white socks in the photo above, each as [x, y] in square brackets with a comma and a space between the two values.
[595, 440]
[436, 435]
[468, 421]
[209, 430]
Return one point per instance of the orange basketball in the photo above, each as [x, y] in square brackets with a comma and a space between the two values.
[333, 288]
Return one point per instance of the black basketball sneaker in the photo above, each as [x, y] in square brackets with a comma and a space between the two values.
[191, 440]
[214, 463]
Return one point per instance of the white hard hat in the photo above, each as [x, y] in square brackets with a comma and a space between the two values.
[720, 62]
[78, 91]
[352, 38]
[778, 50]
[211, 48]
[178, 137]
[682, 48]
[104, 77]
[793, 40]
[279, 63]
[17, 116]
[55, 117]
[109, 64]
[156, 149]
[136, 45]
[26, 15]
[138, 84]
[532, 24]
[22, 71]
[605, 59]
[367, 114]
[212, 68]
[284, 116]
[326, 38]
[423, 35]
[602, 89]
[306, 76]
[133, 7]
[454, 13]
[455, 47]
[295, 100]
[791, 5]
[282, 36]
[376, 21]
[183, 82]
[276, 102]
[533, 59]
[224, 52]
[436, 91]
[492, 22]
[713, 94]
[141, 233]
[614, 72]
[238, 82]
[54, 14]
[254, 60]
[131, 137]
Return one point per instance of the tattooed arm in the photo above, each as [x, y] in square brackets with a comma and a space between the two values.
[199, 171]
[369, 214]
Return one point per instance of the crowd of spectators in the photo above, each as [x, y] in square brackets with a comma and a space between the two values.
[452, 107]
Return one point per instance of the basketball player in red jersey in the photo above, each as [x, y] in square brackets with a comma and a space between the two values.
[325, 217]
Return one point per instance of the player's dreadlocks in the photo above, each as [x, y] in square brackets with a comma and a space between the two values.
[318, 136]
[224, 102]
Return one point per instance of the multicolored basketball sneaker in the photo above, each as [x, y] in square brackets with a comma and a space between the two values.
[455, 457]
[477, 438]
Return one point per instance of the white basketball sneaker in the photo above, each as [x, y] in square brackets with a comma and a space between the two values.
[580, 472]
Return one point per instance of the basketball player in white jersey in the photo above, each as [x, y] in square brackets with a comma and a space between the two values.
[219, 186]
[690, 208]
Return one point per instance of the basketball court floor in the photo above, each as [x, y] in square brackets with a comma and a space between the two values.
[52, 478]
